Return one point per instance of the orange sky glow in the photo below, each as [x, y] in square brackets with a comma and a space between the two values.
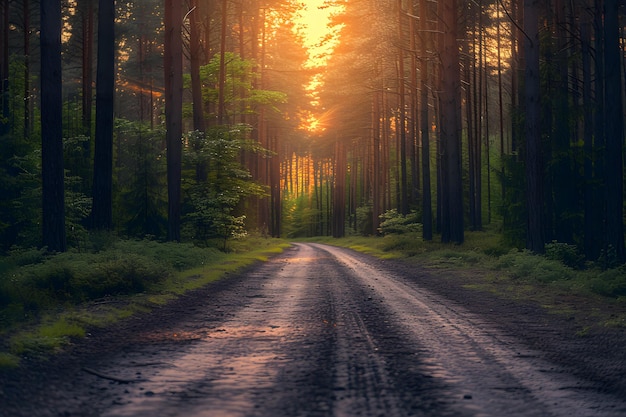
[312, 23]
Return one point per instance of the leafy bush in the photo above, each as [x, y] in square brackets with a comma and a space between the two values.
[566, 253]
[396, 223]
[526, 265]
[125, 267]
[610, 283]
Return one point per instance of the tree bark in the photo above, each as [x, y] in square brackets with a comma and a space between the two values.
[452, 186]
[4, 69]
[173, 65]
[53, 195]
[534, 164]
[427, 209]
[614, 132]
[102, 212]
[87, 78]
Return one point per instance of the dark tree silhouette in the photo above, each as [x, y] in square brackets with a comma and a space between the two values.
[53, 204]
[173, 65]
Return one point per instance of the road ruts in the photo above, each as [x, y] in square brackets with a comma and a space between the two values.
[319, 331]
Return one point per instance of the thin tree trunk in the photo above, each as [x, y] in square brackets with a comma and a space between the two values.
[27, 121]
[221, 105]
[427, 210]
[4, 68]
[589, 234]
[87, 78]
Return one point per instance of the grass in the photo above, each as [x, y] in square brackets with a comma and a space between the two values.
[484, 263]
[46, 303]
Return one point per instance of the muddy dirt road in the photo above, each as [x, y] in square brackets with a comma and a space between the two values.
[317, 331]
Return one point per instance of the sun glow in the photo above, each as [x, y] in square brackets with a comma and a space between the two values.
[313, 24]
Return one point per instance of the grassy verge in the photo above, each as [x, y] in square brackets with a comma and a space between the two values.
[558, 281]
[45, 302]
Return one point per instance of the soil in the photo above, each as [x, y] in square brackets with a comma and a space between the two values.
[322, 331]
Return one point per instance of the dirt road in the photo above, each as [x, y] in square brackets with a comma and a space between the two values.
[317, 331]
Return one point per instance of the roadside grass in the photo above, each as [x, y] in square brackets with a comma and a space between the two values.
[558, 281]
[46, 301]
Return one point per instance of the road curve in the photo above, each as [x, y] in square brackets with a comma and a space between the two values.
[318, 331]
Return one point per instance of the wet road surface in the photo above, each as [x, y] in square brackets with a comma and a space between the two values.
[317, 331]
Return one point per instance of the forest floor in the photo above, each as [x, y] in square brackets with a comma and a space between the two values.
[322, 331]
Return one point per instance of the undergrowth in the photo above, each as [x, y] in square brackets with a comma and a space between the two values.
[562, 267]
[45, 299]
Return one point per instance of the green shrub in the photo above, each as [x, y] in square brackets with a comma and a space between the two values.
[396, 223]
[526, 265]
[565, 253]
[405, 242]
[610, 283]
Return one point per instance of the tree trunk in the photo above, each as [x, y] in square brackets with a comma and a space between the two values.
[404, 190]
[452, 186]
[221, 105]
[614, 132]
[427, 209]
[53, 196]
[564, 190]
[102, 211]
[534, 164]
[173, 65]
[339, 203]
[27, 120]
[87, 79]
[589, 232]
[4, 69]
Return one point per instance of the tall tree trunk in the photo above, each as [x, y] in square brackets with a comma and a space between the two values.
[614, 132]
[102, 212]
[87, 69]
[4, 68]
[427, 209]
[452, 186]
[196, 83]
[339, 203]
[563, 183]
[599, 133]
[221, 105]
[404, 190]
[173, 65]
[53, 195]
[195, 49]
[534, 164]
[589, 232]
[27, 120]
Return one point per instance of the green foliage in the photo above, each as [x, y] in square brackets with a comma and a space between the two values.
[565, 253]
[393, 222]
[241, 96]
[526, 265]
[610, 283]
[219, 185]
[31, 281]
[514, 202]
[364, 223]
[300, 219]
[142, 197]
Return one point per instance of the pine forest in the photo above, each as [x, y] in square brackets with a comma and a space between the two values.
[204, 121]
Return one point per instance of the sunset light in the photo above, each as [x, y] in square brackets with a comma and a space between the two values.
[312, 22]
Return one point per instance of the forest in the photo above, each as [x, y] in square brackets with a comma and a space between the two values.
[203, 121]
